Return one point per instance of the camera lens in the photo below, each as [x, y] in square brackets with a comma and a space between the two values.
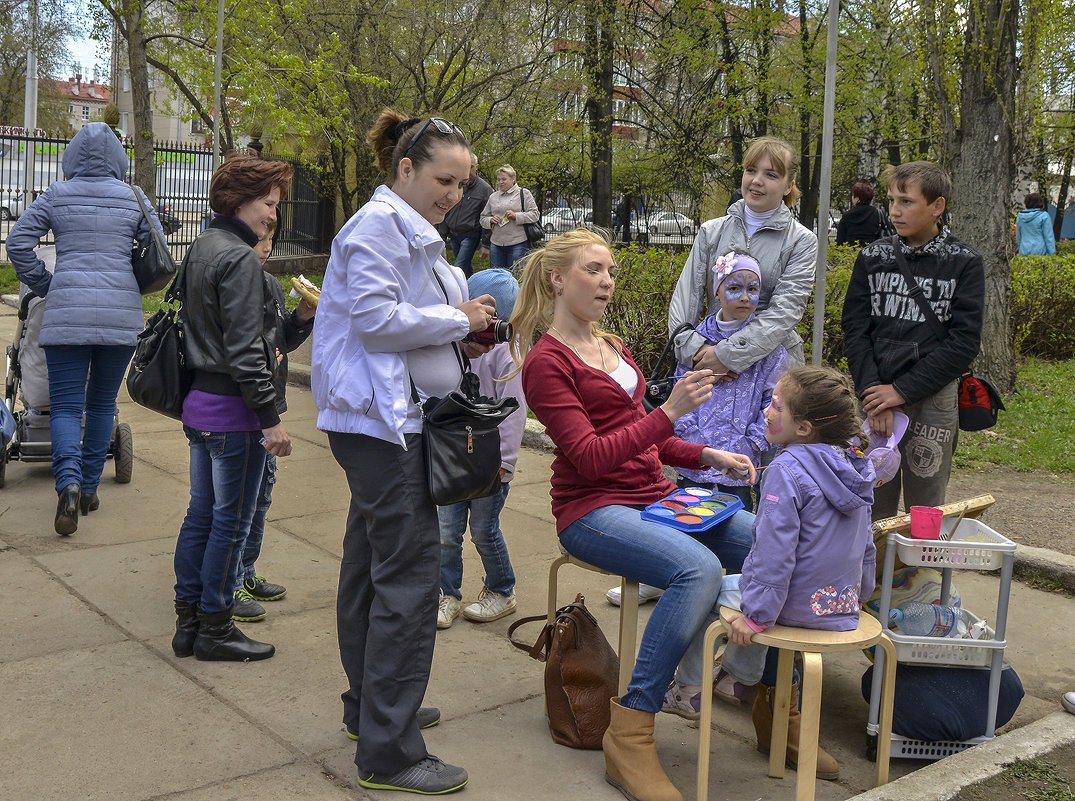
[502, 331]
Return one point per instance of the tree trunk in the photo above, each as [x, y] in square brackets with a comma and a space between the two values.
[145, 172]
[597, 62]
[1062, 195]
[984, 171]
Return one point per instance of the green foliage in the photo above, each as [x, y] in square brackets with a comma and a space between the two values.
[1066, 247]
[841, 260]
[1043, 305]
[638, 311]
[9, 283]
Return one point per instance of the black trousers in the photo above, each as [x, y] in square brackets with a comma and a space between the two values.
[386, 610]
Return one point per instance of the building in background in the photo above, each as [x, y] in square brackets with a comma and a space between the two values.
[75, 102]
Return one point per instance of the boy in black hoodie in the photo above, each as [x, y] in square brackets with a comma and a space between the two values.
[895, 358]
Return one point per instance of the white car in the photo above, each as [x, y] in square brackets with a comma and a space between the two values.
[670, 223]
[11, 204]
[560, 219]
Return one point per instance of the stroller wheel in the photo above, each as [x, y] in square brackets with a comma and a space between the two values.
[123, 451]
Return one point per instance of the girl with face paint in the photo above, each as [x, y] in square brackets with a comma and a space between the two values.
[733, 418]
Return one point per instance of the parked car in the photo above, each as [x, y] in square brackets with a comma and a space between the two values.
[560, 219]
[11, 204]
[169, 222]
[670, 223]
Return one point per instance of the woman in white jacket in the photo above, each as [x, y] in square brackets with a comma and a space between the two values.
[386, 319]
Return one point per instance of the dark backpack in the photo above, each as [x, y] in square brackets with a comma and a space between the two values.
[979, 403]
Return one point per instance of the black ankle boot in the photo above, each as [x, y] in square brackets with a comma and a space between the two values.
[89, 503]
[219, 640]
[67, 510]
[186, 629]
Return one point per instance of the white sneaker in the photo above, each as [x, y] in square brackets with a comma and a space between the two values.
[1067, 700]
[646, 593]
[448, 611]
[490, 606]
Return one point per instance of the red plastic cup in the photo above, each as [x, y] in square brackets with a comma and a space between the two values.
[926, 522]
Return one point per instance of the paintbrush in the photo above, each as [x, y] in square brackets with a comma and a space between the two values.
[952, 531]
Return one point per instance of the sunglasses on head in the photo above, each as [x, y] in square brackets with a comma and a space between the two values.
[441, 124]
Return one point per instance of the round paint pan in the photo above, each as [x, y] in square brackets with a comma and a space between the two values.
[711, 504]
[701, 511]
[662, 512]
[698, 492]
[671, 504]
[690, 520]
[686, 500]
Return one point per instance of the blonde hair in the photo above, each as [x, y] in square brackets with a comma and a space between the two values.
[507, 169]
[536, 303]
[783, 158]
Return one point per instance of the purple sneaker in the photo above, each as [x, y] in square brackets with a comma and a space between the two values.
[678, 702]
[726, 688]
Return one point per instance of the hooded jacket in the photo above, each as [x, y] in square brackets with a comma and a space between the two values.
[93, 297]
[1034, 233]
[813, 555]
[787, 253]
[860, 225]
[733, 419]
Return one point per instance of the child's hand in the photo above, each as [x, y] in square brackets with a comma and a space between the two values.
[881, 423]
[740, 632]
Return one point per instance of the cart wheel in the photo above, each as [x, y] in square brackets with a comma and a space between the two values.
[3, 466]
[124, 453]
[871, 747]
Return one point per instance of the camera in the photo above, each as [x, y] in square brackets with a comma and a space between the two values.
[498, 331]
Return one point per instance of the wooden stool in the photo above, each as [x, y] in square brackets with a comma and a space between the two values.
[628, 640]
[812, 643]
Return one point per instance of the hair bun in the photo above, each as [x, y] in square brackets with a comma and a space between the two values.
[401, 128]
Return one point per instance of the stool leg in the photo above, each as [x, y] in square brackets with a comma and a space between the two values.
[888, 694]
[705, 723]
[628, 631]
[778, 745]
[809, 726]
[554, 572]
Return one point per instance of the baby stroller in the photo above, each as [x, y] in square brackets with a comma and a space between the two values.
[27, 386]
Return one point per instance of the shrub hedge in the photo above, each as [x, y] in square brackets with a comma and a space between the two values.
[1042, 303]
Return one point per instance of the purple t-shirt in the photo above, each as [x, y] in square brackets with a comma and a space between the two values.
[221, 414]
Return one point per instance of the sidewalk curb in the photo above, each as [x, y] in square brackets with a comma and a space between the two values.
[947, 777]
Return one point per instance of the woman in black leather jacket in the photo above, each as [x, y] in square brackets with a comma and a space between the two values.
[230, 415]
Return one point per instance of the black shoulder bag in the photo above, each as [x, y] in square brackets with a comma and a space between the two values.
[159, 377]
[151, 260]
[461, 436]
[979, 401]
[534, 232]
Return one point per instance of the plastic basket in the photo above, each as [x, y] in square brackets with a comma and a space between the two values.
[978, 547]
[906, 748]
[947, 651]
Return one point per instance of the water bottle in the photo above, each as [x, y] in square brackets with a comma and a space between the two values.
[930, 620]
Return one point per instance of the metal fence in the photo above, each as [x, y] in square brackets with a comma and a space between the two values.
[183, 173]
[657, 221]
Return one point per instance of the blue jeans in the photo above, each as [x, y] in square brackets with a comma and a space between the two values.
[252, 546]
[464, 248]
[487, 537]
[504, 256]
[687, 567]
[225, 475]
[79, 457]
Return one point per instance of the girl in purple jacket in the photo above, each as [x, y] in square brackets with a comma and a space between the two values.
[813, 554]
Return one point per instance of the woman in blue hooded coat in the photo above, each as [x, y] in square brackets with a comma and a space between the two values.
[93, 309]
[1034, 228]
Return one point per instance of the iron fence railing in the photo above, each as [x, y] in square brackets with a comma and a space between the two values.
[183, 173]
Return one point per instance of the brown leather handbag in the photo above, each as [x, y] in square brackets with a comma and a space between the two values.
[581, 674]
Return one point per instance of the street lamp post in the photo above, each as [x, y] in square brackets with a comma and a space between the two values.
[29, 114]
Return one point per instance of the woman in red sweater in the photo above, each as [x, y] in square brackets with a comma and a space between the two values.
[582, 384]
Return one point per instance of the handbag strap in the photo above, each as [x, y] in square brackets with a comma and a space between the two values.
[668, 348]
[540, 649]
[914, 289]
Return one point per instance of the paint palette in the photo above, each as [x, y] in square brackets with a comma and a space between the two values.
[693, 509]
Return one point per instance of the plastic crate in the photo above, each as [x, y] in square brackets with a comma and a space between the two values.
[978, 547]
[946, 650]
[906, 748]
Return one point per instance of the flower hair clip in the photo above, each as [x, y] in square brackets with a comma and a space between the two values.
[722, 267]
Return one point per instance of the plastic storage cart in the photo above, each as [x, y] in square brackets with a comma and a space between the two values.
[978, 548]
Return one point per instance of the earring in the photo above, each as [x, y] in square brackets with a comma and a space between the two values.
[560, 291]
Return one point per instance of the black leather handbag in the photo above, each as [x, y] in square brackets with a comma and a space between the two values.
[159, 378]
[461, 442]
[535, 234]
[151, 260]
[660, 382]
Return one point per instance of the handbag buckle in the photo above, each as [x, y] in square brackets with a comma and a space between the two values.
[470, 440]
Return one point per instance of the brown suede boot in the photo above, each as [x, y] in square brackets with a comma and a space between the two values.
[762, 713]
[631, 763]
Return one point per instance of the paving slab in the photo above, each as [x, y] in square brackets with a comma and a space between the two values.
[292, 782]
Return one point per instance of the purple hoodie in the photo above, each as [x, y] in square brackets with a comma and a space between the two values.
[813, 555]
[733, 418]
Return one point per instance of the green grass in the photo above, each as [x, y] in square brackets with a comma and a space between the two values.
[1037, 430]
[1051, 785]
[9, 284]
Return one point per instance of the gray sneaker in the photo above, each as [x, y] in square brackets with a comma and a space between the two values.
[427, 717]
[246, 608]
[428, 776]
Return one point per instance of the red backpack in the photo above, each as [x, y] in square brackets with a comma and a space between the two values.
[979, 403]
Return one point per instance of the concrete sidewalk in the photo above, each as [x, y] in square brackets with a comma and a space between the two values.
[95, 706]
